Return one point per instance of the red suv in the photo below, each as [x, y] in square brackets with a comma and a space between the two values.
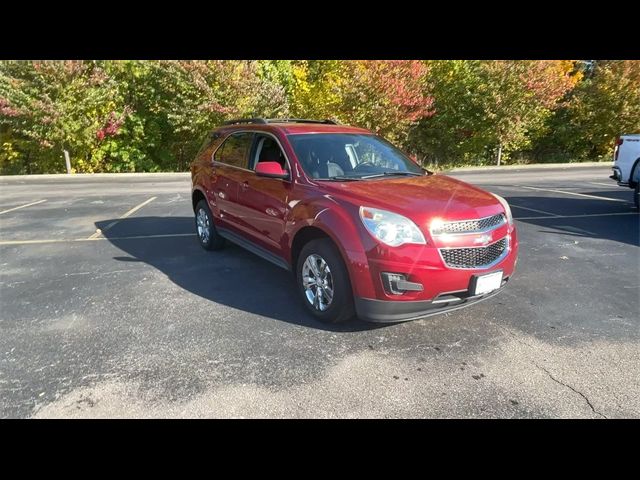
[363, 228]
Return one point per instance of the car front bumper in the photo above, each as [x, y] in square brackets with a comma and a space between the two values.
[389, 311]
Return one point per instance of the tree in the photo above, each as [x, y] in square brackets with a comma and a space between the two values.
[604, 106]
[521, 97]
[54, 106]
[175, 103]
[386, 96]
[459, 128]
[318, 88]
[117, 116]
[487, 108]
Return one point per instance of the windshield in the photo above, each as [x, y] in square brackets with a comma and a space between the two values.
[345, 156]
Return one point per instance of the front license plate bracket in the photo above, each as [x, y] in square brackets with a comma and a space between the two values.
[485, 283]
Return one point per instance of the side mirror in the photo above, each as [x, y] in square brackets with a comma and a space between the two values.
[271, 170]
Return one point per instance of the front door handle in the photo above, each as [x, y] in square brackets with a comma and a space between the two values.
[244, 185]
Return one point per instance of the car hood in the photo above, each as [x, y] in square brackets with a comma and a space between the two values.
[419, 198]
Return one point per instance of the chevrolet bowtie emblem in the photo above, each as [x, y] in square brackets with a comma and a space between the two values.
[482, 240]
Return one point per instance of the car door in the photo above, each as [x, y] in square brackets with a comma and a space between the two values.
[263, 201]
[230, 164]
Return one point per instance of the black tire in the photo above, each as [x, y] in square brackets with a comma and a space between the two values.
[211, 240]
[636, 196]
[341, 307]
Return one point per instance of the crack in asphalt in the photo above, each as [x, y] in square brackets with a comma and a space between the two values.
[571, 388]
[515, 337]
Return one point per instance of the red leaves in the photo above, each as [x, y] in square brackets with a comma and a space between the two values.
[113, 124]
[400, 83]
[549, 80]
[7, 110]
[384, 95]
[216, 107]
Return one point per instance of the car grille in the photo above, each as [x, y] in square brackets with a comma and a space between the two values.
[471, 226]
[475, 257]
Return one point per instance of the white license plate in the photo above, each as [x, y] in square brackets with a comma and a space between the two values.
[487, 283]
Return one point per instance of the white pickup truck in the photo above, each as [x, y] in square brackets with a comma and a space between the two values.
[626, 164]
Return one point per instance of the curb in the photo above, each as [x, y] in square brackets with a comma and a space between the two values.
[534, 166]
[85, 176]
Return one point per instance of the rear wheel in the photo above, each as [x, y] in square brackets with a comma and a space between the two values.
[206, 230]
[323, 282]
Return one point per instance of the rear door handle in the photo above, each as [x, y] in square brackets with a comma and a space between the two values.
[244, 185]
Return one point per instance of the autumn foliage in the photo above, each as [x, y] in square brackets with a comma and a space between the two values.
[117, 116]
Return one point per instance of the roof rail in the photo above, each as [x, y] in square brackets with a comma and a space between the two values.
[245, 120]
[259, 120]
[299, 120]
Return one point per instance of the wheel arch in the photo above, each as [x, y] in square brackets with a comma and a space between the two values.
[634, 175]
[196, 196]
[303, 236]
[339, 227]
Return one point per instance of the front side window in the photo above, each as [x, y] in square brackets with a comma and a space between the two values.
[344, 156]
[268, 150]
[235, 150]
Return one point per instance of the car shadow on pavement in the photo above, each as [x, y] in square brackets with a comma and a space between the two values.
[618, 221]
[232, 276]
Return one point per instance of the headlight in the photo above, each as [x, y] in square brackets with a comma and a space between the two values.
[506, 207]
[390, 228]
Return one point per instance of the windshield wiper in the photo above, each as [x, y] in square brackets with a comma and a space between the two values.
[385, 174]
[341, 178]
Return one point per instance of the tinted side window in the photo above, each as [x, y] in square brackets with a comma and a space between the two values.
[209, 146]
[235, 150]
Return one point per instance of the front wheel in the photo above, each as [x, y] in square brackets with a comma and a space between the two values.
[323, 282]
[206, 230]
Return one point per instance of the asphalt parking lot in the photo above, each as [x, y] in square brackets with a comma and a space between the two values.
[139, 321]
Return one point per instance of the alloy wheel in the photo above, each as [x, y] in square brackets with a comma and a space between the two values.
[204, 227]
[317, 282]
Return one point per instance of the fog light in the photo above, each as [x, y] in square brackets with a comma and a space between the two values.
[397, 284]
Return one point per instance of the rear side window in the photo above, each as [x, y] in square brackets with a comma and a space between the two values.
[235, 150]
[208, 146]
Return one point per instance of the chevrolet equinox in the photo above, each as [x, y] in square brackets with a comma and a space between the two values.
[363, 228]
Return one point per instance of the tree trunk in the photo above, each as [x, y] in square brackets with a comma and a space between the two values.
[499, 153]
[28, 162]
[67, 161]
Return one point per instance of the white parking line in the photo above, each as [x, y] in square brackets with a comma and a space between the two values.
[21, 206]
[605, 184]
[558, 217]
[534, 210]
[130, 212]
[66, 240]
[572, 193]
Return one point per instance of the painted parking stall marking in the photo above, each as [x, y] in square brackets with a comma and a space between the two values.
[557, 217]
[22, 206]
[603, 184]
[130, 212]
[67, 240]
[573, 193]
[533, 210]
